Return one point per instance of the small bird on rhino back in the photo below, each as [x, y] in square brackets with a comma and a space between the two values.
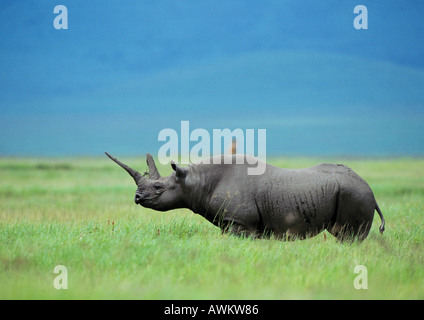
[286, 203]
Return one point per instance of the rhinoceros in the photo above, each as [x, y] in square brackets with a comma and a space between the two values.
[286, 203]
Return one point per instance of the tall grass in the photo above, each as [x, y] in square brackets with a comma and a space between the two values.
[79, 213]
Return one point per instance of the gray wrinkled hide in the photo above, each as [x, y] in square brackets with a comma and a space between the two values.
[287, 203]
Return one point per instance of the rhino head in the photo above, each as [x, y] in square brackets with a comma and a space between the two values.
[153, 190]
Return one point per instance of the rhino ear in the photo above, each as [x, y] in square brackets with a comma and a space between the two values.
[179, 172]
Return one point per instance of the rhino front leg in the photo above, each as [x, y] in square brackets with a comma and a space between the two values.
[237, 228]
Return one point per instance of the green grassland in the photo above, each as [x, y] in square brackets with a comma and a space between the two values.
[80, 213]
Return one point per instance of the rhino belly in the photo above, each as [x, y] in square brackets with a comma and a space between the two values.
[300, 208]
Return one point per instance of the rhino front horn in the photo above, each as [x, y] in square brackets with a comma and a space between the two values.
[133, 173]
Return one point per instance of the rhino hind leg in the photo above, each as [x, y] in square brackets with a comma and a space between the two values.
[349, 232]
[353, 217]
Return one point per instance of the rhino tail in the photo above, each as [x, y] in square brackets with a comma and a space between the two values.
[383, 222]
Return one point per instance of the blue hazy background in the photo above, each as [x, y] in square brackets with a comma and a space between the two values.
[124, 70]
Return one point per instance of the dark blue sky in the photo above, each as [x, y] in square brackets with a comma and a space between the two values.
[124, 70]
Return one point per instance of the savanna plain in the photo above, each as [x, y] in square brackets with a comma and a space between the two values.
[80, 213]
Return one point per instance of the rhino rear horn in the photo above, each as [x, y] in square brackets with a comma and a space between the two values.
[153, 171]
[133, 173]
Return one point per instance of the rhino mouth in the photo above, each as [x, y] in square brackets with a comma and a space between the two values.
[141, 198]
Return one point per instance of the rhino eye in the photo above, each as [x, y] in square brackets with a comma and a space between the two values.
[157, 187]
